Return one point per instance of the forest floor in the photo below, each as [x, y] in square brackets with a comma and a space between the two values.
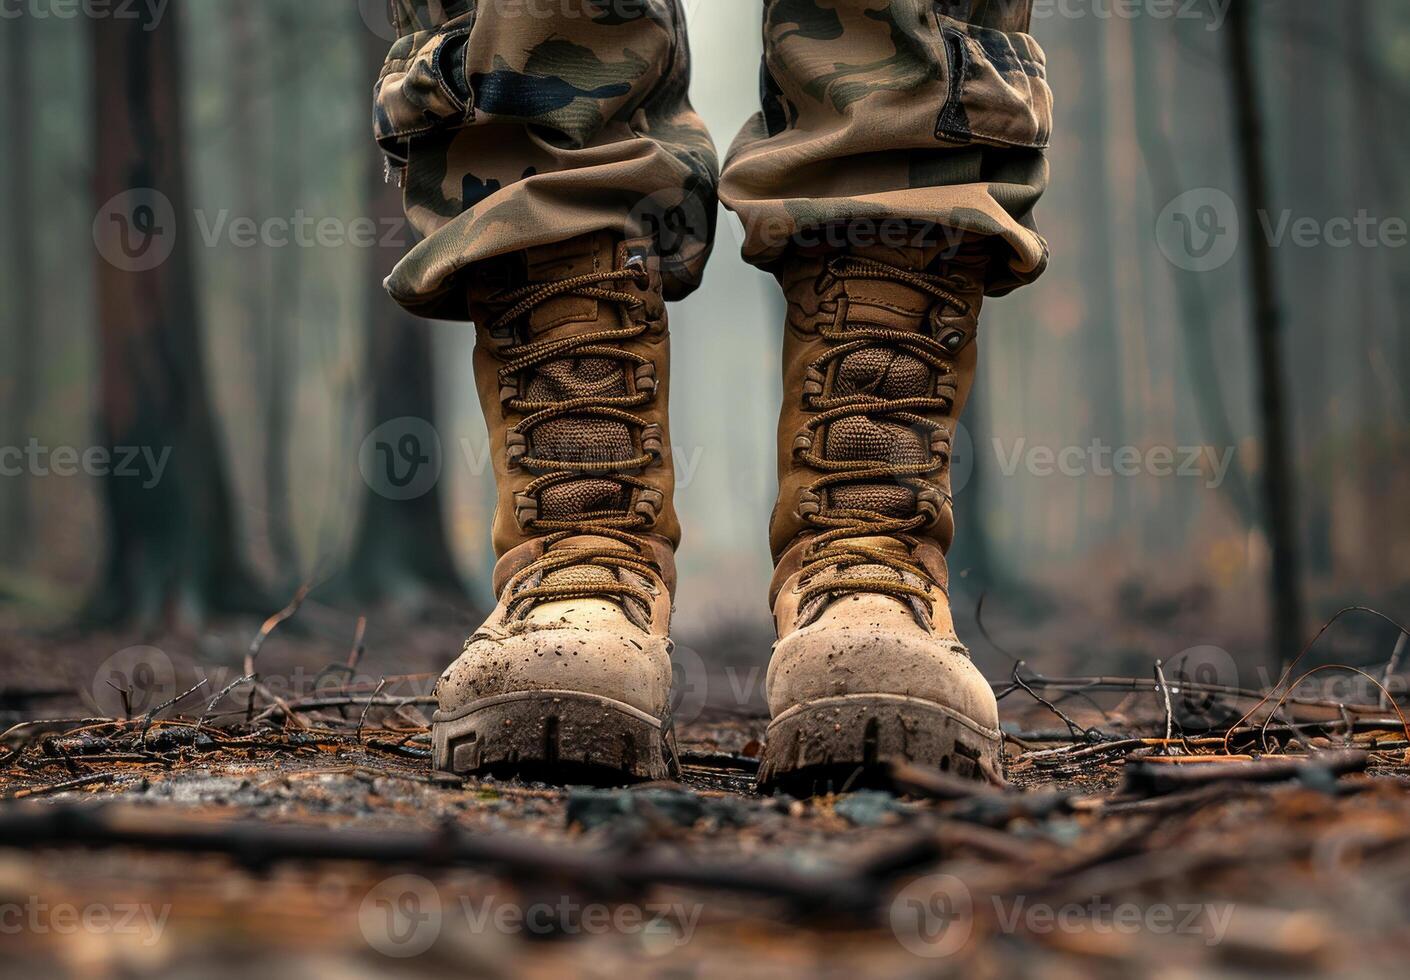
[298, 829]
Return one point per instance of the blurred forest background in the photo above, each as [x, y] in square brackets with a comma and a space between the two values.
[286, 357]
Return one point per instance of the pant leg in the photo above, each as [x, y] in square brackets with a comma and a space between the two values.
[932, 110]
[517, 123]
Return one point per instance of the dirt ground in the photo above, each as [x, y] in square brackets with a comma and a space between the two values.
[299, 830]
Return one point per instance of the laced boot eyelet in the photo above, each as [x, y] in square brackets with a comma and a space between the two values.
[508, 391]
[641, 275]
[649, 504]
[929, 501]
[645, 379]
[526, 510]
[516, 447]
[952, 339]
[814, 384]
[809, 504]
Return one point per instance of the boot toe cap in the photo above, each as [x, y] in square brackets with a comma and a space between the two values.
[635, 670]
[828, 659]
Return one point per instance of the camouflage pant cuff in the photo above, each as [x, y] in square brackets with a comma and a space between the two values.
[894, 110]
[516, 126]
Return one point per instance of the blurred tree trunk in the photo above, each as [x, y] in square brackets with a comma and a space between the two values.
[279, 367]
[248, 36]
[20, 305]
[400, 548]
[1192, 302]
[1313, 174]
[1102, 339]
[172, 550]
[1279, 494]
[1357, 491]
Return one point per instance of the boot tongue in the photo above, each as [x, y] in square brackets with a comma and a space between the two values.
[584, 574]
[886, 302]
[577, 438]
[898, 305]
[884, 371]
[890, 545]
[564, 260]
[584, 611]
[883, 572]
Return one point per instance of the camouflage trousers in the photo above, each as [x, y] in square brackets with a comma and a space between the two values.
[516, 123]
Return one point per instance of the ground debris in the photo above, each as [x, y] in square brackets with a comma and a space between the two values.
[637, 810]
[1118, 843]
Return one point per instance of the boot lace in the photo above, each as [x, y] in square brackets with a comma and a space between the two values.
[837, 547]
[532, 585]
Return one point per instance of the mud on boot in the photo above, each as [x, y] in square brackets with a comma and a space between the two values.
[879, 357]
[569, 678]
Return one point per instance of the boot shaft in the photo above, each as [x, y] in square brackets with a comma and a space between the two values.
[571, 364]
[880, 355]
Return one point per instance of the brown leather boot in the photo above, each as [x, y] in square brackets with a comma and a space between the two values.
[570, 677]
[879, 357]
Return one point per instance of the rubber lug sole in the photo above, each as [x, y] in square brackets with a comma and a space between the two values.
[553, 736]
[834, 745]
